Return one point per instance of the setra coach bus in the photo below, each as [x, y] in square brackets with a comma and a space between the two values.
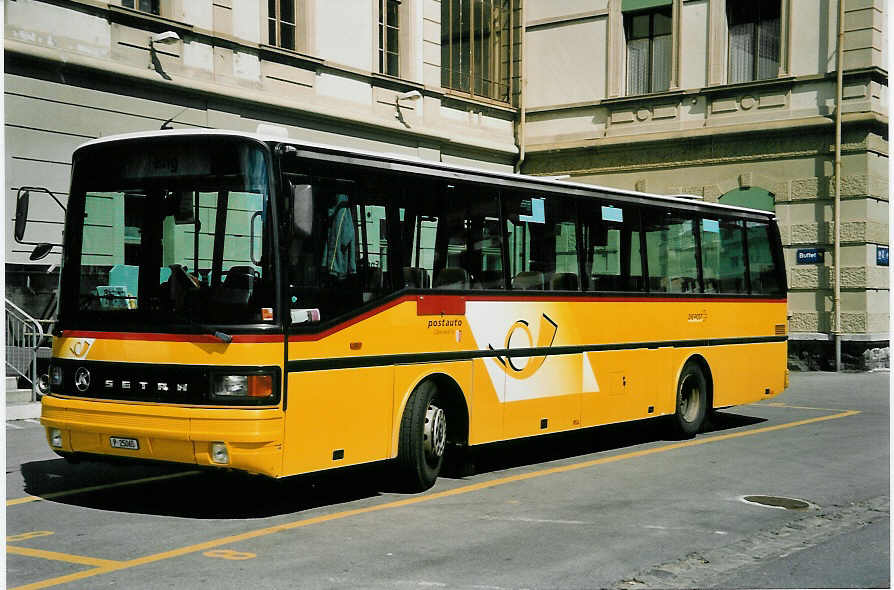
[277, 307]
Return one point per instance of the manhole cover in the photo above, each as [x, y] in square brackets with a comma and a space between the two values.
[778, 502]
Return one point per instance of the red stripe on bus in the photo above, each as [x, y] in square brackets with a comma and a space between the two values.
[157, 337]
[620, 299]
[257, 338]
[353, 320]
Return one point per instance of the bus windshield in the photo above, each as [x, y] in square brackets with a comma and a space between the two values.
[169, 232]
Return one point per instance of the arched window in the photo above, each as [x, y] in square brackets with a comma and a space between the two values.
[752, 197]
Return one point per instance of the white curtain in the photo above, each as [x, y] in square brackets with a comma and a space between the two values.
[638, 66]
[768, 49]
[661, 62]
[741, 52]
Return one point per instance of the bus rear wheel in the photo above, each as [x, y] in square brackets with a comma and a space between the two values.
[423, 438]
[692, 401]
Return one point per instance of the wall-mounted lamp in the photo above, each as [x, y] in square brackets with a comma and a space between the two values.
[410, 95]
[165, 38]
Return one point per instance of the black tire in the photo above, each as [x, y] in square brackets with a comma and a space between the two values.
[423, 438]
[692, 401]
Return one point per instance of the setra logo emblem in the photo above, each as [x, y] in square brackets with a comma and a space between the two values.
[82, 379]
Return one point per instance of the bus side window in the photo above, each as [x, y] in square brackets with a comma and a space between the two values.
[723, 256]
[419, 213]
[417, 234]
[372, 249]
[467, 252]
[764, 275]
[670, 248]
[343, 263]
[542, 243]
[612, 247]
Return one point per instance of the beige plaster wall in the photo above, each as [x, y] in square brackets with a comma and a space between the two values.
[562, 64]
[694, 42]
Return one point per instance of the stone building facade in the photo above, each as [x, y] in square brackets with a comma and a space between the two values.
[728, 100]
[707, 128]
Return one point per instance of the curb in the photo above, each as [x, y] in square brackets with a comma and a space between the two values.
[23, 411]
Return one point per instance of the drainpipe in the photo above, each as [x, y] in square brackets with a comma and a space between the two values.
[837, 271]
[523, 81]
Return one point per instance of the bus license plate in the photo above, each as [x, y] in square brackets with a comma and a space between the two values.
[131, 444]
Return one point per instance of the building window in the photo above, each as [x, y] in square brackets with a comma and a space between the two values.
[150, 6]
[389, 29]
[281, 23]
[476, 47]
[649, 49]
[753, 40]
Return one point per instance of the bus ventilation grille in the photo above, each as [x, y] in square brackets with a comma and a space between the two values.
[780, 329]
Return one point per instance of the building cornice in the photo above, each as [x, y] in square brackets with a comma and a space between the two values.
[781, 126]
[61, 60]
[875, 74]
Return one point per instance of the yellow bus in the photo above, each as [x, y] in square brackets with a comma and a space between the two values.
[254, 303]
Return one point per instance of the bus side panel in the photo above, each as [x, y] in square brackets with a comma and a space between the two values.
[337, 417]
[547, 401]
[486, 413]
[406, 377]
[627, 384]
[743, 373]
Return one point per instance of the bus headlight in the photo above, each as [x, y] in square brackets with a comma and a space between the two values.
[55, 376]
[56, 438]
[258, 388]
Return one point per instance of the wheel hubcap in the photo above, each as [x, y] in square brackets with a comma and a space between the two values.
[689, 400]
[434, 434]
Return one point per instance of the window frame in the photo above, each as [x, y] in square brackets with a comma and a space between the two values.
[155, 8]
[755, 40]
[382, 26]
[277, 21]
[503, 91]
[561, 210]
[628, 37]
[634, 222]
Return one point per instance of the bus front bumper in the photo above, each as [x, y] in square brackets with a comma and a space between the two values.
[251, 438]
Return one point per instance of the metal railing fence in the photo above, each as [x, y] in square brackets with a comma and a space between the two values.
[23, 337]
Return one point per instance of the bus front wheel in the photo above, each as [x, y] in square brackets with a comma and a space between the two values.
[692, 401]
[423, 438]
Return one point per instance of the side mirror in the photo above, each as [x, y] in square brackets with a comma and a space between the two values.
[302, 210]
[22, 201]
[40, 251]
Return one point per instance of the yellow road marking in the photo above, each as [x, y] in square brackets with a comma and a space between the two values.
[118, 484]
[81, 559]
[28, 535]
[229, 554]
[783, 405]
[232, 539]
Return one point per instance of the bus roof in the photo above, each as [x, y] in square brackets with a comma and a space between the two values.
[684, 201]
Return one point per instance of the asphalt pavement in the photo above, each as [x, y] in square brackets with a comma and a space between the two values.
[614, 507]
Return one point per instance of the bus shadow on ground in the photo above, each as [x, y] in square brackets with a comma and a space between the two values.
[207, 494]
[566, 445]
[212, 494]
